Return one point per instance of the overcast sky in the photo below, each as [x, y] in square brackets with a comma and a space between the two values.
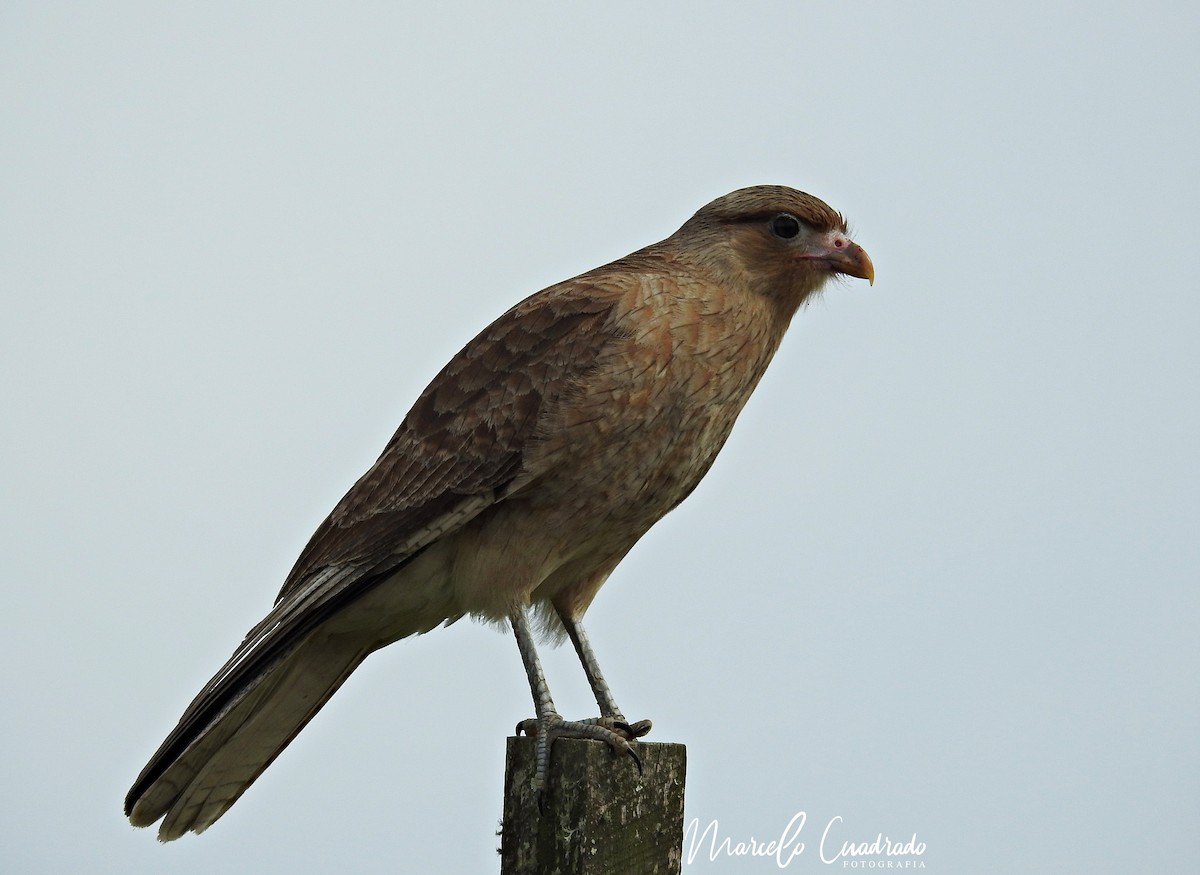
[943, 579]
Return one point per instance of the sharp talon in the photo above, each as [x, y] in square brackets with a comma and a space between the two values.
[642, 727]
[637, 759]
[628, 731]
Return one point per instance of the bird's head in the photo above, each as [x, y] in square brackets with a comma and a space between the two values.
[781, 242]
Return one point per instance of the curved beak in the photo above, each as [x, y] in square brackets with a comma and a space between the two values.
[854, 261]
[839, 254]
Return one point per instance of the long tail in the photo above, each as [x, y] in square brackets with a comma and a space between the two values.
[222, 759]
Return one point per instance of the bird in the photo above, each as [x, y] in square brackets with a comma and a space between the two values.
[522, 475]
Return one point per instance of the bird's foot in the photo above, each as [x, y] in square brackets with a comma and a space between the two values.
[614, 731]
[619, 725]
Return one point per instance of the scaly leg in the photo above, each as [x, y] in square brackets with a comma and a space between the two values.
[610, 714]
[548, 725]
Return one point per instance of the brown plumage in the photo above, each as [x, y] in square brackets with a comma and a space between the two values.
[520, 478]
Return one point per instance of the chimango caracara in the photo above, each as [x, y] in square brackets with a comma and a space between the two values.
[520, 478]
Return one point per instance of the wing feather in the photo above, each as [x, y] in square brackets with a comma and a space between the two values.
[454, 455]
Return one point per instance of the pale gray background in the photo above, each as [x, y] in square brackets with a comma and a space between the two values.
[943, 579]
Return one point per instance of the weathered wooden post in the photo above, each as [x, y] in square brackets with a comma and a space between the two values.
[598, 817]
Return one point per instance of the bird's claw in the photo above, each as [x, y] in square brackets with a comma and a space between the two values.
[527, 727]
[622, 727]
[637, 760]
[638, 729]
[615, 731]
[617, 725]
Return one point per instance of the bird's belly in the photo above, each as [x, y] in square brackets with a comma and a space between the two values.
[571, 527]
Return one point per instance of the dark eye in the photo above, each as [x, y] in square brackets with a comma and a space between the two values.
[785, 225]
